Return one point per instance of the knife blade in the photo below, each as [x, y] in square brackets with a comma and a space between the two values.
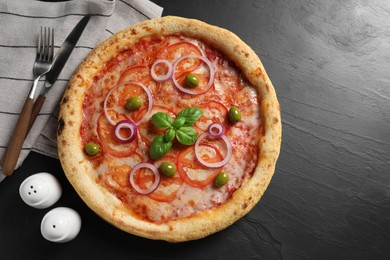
[58, 64]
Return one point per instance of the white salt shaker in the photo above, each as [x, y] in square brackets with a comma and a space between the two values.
[40, 190]
[60, 225]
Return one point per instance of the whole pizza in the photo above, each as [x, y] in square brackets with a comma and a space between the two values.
[170, 129]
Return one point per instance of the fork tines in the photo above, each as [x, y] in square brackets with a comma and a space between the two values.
[45, 49]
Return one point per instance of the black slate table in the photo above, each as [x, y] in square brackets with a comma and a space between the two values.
[330, 196]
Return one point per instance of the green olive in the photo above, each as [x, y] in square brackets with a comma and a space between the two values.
[221, 179]
[191, 80]
[168, 169]
[92, 148]
[234, 114]
[133, 103]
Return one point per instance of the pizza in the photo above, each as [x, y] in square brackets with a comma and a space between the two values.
[170, 129]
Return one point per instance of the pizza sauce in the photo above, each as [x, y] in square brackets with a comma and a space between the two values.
[171, 84]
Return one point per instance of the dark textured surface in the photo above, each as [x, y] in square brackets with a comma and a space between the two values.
[330, 196]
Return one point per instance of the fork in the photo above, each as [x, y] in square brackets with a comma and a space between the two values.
[42, 65]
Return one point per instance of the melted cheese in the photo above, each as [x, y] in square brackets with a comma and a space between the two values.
[176, 198]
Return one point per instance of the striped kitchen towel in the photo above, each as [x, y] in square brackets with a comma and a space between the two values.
[20, 24]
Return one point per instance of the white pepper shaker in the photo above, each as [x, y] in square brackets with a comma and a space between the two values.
[40, 190]
[61, 225]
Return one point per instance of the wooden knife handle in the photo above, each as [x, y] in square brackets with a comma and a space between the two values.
[35, 110]
[15, 145]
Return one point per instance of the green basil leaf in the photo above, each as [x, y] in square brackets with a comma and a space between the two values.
[186, 135]
[159, 147]
[169, 135]
[162, 120]
[179, 122]
[190, 114]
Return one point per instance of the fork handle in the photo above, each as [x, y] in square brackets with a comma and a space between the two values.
[15, 145]
[35, 111]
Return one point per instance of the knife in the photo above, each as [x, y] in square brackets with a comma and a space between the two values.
[58, 63]
[11, 157]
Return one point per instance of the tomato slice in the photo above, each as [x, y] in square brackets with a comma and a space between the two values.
[117, 178]
[119, 96]
[169, 186]
[203, 75]
[179, 49]
[108, 140]
[213, 112]
[145, 178]
[167, 189]
[194, 173]
[147, 130]
[136, 73]
[117, 175]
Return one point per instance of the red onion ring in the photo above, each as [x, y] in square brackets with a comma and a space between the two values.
[219, 130]
[228, 155]
[148, 93]
[212, 73]
[125, 124]
[157, 178]
[165, 77]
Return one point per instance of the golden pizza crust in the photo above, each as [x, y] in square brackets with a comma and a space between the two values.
[204, 223]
